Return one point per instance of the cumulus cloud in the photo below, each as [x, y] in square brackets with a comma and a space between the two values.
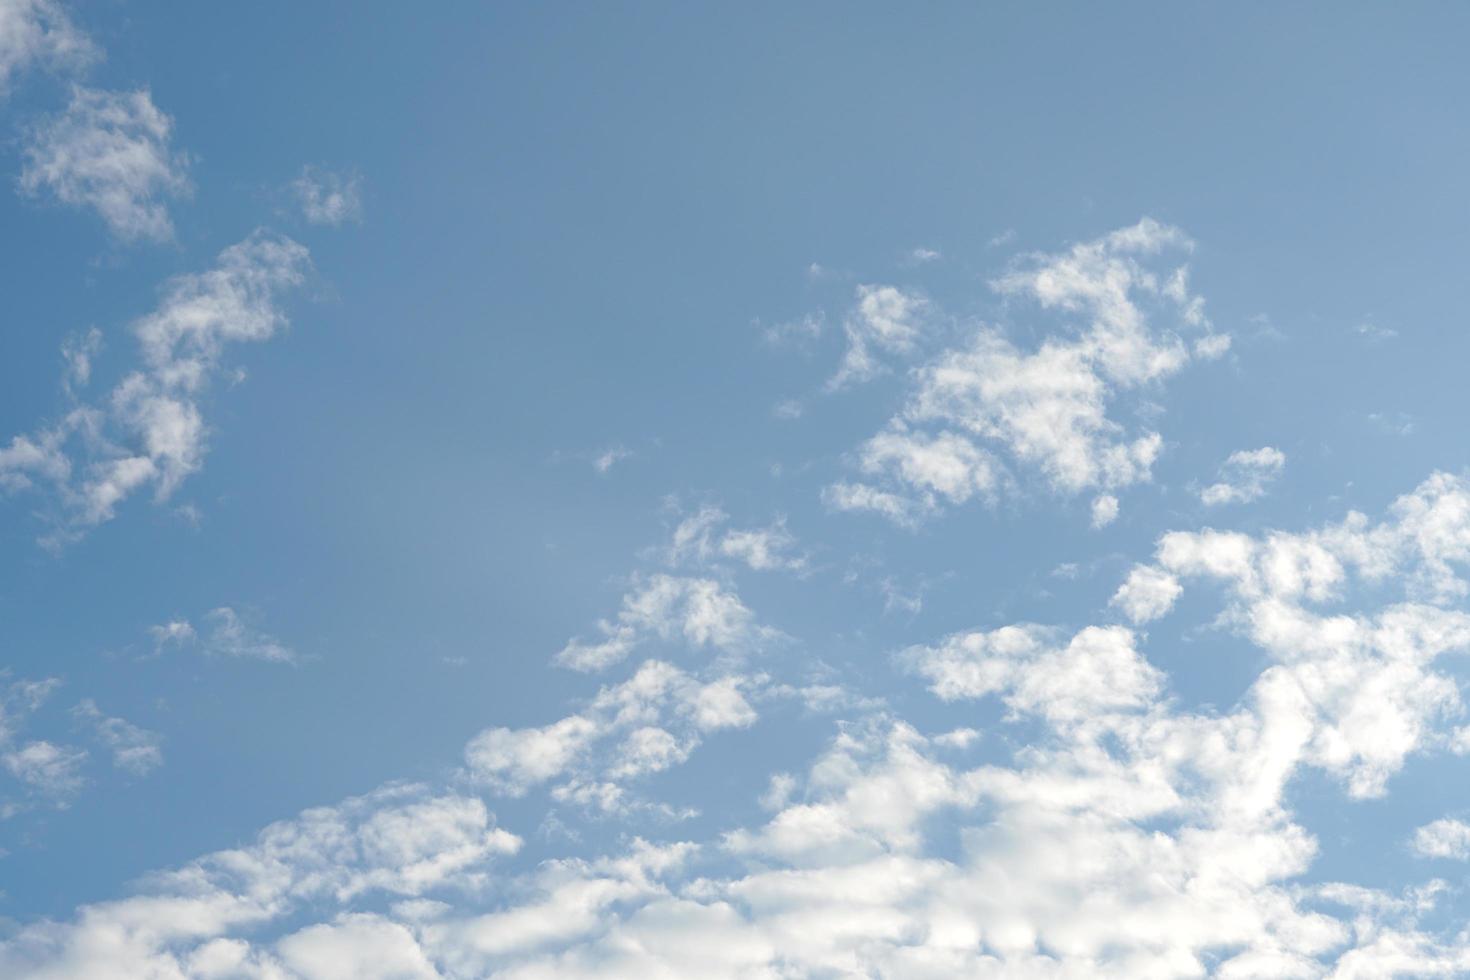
[326, 197]
[399, 842]
[109, 151]
[1100, 828]
[1048, 409]
[150, 429]
[1245, 476]
[1147, 594]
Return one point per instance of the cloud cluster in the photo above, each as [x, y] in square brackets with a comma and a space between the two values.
[109, 151]
[1103, 828]
[150, 430]
[47, 773]
[641, 726]
[990, 409]
[399, 842]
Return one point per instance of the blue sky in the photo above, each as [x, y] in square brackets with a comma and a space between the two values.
[763, 491]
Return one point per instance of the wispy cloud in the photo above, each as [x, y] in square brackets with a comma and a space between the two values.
[38, 33]
[327, 197]
[1245, 476]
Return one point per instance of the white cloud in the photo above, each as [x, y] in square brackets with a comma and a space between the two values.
[1444, 839]
[885, 320]
[397, 841]
[700, 612]
[1095, 672]
[78, 352]
[862, 497]
[1147, 594]
[702, 537]
[1245, 476]
[109, 151]
[38, 33]
[135, 749]
[150, 429]
[656, 718]
[1123, 835]
[609, 457]
[327, 197]
[231, 636]
[1051, 408]
[226, 634]
[1104, 510]
[53, 770]
[175, 632]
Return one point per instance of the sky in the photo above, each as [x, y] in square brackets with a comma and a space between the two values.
[765, 490]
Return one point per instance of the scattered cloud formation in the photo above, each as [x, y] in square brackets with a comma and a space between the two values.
[1245, 477]
[134, 749]
[900, 853]
[109, 151]
[327, 197]
[47, 772]
[646, 724]
[992, 408]
[150, 429]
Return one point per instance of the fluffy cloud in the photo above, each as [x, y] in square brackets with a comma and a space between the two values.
[1147, 594]
[399, 841]
[1245, 476]
[109, 151]
[1049, 409]
[1443, 839]
[150, 430]
[1101, 828]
